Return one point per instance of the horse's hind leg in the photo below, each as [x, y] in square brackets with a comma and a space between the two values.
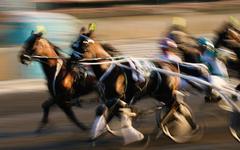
[67, 108]
[46, 108]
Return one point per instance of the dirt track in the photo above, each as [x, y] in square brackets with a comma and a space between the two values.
[20, 114]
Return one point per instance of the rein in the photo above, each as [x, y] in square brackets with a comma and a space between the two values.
[122, 59]
[222, 90]
[82, 60]
[44, 57]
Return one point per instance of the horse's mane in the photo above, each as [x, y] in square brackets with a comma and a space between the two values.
[110, 49]
[56, 48]
[106, 46]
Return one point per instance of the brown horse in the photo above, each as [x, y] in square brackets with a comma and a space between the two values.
[228, 36]
[63, 83]
[119, 89]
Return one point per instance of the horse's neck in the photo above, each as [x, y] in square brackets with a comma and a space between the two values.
[49, 71]
[99, 70]
[50, 66]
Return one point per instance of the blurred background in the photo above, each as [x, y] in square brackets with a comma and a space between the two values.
[118, 21]
[132, 26]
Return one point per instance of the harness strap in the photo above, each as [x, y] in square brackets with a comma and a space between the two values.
[58, 68]
[76, 54]
[106, 73]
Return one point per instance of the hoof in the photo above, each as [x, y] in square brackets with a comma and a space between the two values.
[234, 125]
[84, 128]
[44, 127]
[39, 129]
[76, 103]
[212, 99]
[143, 144]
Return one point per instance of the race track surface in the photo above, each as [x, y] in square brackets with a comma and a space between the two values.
[20, 114]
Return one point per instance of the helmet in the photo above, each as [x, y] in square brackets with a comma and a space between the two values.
[179, 24]
[167, 43]
[40, 29]
[234, 22]
[178, 21]
[92, 26]
[202, 41]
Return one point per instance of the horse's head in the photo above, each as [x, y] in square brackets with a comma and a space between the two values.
[28, 49]
[37, 45]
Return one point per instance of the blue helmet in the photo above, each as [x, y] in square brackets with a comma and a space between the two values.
[202, 41]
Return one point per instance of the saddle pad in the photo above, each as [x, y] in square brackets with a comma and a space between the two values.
[142, 69]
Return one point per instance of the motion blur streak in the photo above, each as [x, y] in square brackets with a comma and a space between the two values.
[132, 26]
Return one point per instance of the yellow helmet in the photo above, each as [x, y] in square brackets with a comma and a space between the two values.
[179, 21]
[92, 27]
[40, 29]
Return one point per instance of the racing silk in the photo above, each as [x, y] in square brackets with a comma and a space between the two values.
[79, 46]
[170, 56]
[181, 37]
[215, 66]
[187, 45]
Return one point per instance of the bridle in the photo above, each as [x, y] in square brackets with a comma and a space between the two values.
[30, 54]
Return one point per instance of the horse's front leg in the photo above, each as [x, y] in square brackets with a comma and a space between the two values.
[104, 114]
[67, 108]
[46, 105]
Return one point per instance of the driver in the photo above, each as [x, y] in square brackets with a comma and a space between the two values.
[186, 43]
[90, 32]
[168, 48]
[209, 57]
[78, 47]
